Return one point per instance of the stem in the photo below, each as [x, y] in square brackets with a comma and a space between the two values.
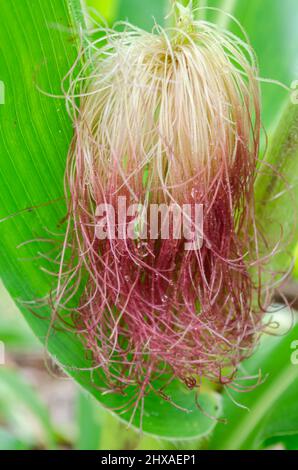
[194, 4]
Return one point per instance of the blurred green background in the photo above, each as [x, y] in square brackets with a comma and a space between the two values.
[41, 408]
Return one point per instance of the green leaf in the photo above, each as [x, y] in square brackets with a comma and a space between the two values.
[295, 272]
[272, 407]
[89, 422]
[277, 190]
[272, 29]
[37, 50]
[289, 442]
[14, 332]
